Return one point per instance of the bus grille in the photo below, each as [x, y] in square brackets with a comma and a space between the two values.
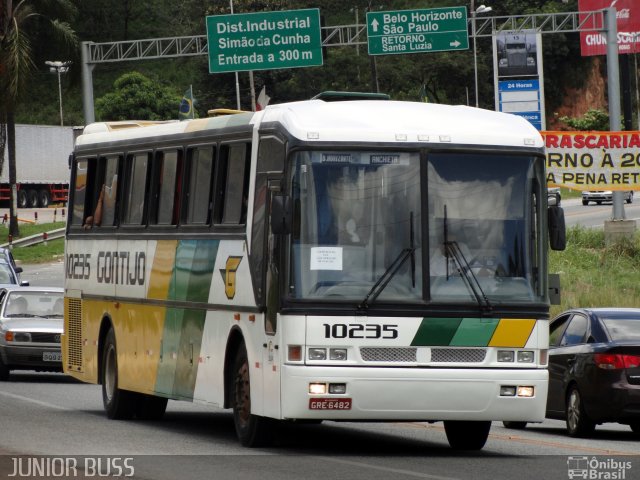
[379, 354]
[74, 333]
[458, 355]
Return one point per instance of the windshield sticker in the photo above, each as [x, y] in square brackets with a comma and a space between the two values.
[336, 158]
[326, 258]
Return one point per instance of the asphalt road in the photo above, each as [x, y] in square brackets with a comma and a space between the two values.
[594, 216]
[53, 415]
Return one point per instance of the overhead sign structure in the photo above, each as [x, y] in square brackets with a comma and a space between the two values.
[628, 21]
[416, 31]
[264, 40]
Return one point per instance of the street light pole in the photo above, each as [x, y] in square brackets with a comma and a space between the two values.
[474, 12]
[59, 68]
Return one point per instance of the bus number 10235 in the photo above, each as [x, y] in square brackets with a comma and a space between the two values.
[359, 330]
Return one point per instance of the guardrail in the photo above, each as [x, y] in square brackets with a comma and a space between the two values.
[35, 239]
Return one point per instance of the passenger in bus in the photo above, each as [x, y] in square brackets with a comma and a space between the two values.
[96, 218]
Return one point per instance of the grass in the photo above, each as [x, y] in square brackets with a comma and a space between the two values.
[594, 276]
[40, 253]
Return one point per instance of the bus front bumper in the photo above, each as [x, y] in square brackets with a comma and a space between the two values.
[417, 394]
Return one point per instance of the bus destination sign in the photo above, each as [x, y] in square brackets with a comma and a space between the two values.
[264, 40]
[416, 31]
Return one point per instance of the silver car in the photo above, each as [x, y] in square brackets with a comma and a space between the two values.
[31, 323]
[600, 196]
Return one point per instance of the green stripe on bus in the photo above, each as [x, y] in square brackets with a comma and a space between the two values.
[436, 331]
[474, 332]
[458, 332]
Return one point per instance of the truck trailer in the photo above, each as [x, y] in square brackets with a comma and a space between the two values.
[42, 165]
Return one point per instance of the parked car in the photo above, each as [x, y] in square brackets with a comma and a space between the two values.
[31, 323]
[594, 369]
[9, 271]
[600, 196]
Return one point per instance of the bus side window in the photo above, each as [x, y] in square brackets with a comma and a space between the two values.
[108, 181]
[84, 179]
[232, 184]
[137, 167]
[166, 187]
[199, 180]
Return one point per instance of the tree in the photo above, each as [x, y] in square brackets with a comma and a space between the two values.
[18, 26]
[592, 120]
[138, 97]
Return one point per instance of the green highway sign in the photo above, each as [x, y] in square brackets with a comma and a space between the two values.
[415, 31]
[264, 41]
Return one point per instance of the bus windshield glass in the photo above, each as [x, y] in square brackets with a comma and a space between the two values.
[362, 228]
[483, 227]
[355, 213]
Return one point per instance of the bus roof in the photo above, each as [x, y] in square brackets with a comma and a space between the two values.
[348, 121]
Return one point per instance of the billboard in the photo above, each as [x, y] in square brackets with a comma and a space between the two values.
[628, 15]
[517, 55]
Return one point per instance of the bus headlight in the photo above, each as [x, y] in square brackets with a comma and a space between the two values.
[525, 356]
[505, 355]
[338, 354]
[317, 354]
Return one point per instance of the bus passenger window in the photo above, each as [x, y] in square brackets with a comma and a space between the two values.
[137, 167]
[233, 181]
[198, 199]
[81, 198]
[166, 187]
[108, 194]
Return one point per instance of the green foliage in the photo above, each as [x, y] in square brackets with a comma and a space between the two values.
[593, 275]
[592, 120]
[138, 97]
[448, 76]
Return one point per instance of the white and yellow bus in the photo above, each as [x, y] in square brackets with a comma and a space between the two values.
[317, 260]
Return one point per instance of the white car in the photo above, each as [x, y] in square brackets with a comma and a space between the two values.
[600, 196]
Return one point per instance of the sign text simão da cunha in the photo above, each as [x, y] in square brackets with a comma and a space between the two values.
[593, 160]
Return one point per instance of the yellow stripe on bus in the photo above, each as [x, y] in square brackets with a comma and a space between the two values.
[512, 332]
[162, 270]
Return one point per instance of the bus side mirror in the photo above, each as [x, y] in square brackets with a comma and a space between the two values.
[281, 214]
[557, 230]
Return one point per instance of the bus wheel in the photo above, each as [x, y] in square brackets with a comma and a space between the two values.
[464, 435]
[149, 407]
[515, 425]
[252, 430]
[119, 404]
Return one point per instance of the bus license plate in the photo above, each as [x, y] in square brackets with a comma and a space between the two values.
[329, 404]
[51, 356]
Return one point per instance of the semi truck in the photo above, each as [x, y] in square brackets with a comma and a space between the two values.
[42, 165]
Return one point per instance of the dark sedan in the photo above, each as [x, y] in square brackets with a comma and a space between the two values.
[594, 369]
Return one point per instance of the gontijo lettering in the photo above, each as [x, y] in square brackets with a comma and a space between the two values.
[121, 268]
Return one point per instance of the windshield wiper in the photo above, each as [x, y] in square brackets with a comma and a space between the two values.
[453, 250]
[390, 272]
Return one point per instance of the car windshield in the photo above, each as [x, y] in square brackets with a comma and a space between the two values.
[6, 274]
[34, 304]
[623, 329]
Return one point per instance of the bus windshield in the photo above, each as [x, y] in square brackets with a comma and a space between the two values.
[364, 230]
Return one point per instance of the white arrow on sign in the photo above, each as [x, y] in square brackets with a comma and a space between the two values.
[375, 24]
[455, 44]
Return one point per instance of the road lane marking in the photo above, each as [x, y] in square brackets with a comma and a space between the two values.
[388, 469]
[31, 400]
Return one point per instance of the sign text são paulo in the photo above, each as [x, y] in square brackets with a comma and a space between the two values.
[264, 41]
[593, 160]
